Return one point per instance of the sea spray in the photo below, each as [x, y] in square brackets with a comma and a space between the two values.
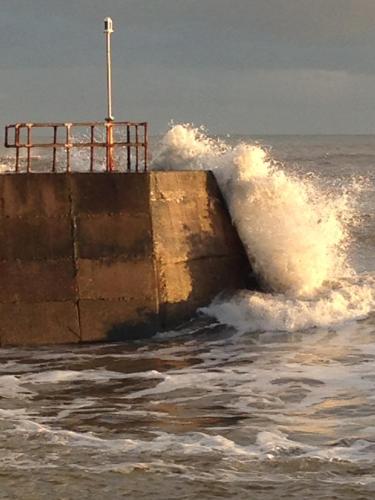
[295, 232]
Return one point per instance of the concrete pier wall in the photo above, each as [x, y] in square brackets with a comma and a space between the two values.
[100, 257]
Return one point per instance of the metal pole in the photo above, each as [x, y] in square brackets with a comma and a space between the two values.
[108, 30]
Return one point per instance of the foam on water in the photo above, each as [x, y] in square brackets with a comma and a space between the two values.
[296, 233]
[254, 311]
[268, 446]
[97, 376]
[11, 387]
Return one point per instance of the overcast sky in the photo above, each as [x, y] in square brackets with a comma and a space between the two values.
[245, 66]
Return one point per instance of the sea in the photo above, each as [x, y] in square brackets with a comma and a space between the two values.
[264, 394]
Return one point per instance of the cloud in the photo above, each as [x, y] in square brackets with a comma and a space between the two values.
[238, 65]
[255, 102]
[320, 34]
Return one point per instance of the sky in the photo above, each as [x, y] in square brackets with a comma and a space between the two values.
[235, 66]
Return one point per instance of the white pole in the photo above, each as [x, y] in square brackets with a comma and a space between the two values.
[108, 30]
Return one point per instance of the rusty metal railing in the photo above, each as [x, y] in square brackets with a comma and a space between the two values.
[109, 136]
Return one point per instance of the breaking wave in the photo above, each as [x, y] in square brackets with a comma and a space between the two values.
[296, 233]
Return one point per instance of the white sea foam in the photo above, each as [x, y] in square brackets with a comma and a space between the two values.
[96, 376]
[11, 388]
[268, 445]
[296, 234]
[254, 311]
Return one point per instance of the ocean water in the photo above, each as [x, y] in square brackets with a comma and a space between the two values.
[264, 395]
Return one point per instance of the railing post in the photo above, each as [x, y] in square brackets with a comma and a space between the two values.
[29, 146]
[54, 148]
[17, 144]
[92, 138]
[136, 149]
[109, 146]
[67, 145]
[128, 148]
[145, 147]
[6, 139]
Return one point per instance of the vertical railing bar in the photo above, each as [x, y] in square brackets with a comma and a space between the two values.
[17, 142]
[106, 148]
[109, 146]
[54, 148]
[92, 137]
[136, 149]
[145, 148]
[29, 145]
[128, 149]
[67, 145]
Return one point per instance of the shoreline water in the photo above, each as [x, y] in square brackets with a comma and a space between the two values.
[210, 409]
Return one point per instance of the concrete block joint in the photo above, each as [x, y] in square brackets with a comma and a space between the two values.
[99, 257]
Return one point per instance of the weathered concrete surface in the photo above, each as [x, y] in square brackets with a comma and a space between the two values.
[35, 323]
[89, 257]
[197, 251]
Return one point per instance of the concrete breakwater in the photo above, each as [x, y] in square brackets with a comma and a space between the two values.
[98, 257]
